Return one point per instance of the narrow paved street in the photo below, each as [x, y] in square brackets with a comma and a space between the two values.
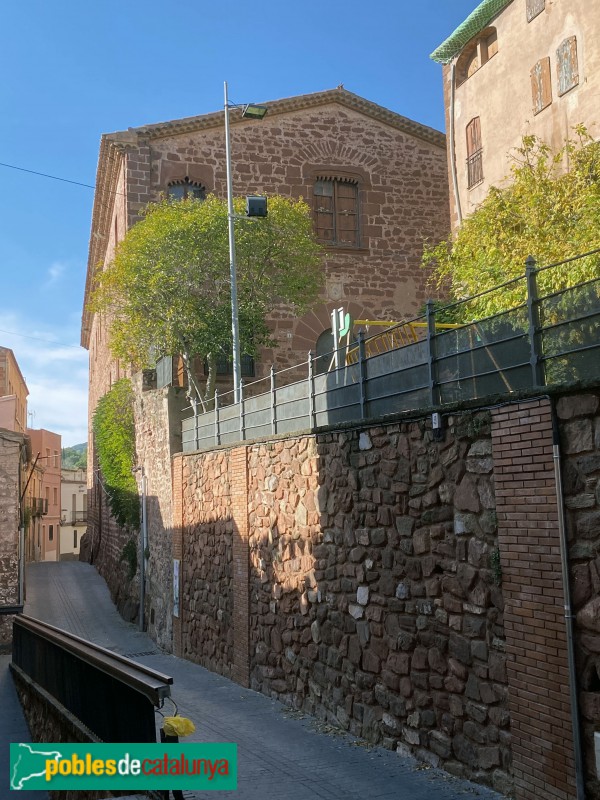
[282, 755]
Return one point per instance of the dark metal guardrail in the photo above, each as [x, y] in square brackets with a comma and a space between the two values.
[545, 333]
[111, 695]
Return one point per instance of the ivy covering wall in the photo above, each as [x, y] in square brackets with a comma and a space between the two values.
[114, 436]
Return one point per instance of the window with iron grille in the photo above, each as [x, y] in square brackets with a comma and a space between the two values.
[185, 189]
[474, 153]
[566, 65]
[541, 85]
[336, 211]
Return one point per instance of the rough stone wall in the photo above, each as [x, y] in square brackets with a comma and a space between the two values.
[156, 442]
[373, 602]
[377, 609]
[207, 563]
[579, 418]
[10, 464]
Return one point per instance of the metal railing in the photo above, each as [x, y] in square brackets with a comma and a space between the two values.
[111, 695]
[541, 337]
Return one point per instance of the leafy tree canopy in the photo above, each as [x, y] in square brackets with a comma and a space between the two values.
[545, 211]
[167, 290]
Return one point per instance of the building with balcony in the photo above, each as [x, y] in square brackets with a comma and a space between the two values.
[44, 493]
[515, 68]
[73, 522]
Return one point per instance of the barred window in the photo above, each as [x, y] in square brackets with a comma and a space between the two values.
[336, 211]
[474, 153]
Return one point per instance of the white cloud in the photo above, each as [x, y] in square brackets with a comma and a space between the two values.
[55, 370]
[55, 272]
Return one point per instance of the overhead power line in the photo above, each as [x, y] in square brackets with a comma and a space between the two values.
[39, 339]
[46, 175]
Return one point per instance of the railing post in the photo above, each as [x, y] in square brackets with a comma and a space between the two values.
[311, 391]
[217, 421]
[196, 440]
[434, 390]
[533, 321]
[242, 416]
[362, 373]
[273, 402]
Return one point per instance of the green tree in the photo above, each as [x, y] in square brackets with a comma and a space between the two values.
[167, 291]
[544, 211]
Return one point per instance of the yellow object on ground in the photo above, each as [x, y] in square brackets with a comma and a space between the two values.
[178, 726]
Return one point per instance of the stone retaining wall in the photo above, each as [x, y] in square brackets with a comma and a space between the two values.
[377, 584]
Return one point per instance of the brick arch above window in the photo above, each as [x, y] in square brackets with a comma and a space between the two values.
[186, 189]
[173, 171]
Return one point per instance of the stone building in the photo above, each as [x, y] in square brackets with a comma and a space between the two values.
[13, 461]
[515, 68]
[351, 159]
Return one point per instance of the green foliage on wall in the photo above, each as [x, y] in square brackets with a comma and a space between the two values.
[550, 209]
[114, 436]
[129, 554]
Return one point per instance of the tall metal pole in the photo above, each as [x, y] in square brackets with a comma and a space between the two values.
[237, 372]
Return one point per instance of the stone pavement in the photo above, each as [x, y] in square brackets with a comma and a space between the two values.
[282, 755]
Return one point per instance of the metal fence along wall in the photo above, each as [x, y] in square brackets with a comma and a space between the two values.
[539, 340]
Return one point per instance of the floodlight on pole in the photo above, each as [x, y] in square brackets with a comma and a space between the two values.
[251, 111]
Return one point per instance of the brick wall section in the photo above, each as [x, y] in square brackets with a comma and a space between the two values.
[528, 540]
[241, 565]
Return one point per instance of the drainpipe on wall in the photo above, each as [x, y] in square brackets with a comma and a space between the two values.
[451, 143]
[564, 558]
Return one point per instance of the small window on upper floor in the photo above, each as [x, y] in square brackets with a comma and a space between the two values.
[476, 53]
[534, 7]
[566, 65]
[185, 189]
[336, 211]
[541, 85]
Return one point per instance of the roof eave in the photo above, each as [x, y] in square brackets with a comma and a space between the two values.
[471, 26]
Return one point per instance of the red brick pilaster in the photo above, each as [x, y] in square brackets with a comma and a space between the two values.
[534, 623]
[177, 483]
[238, 479]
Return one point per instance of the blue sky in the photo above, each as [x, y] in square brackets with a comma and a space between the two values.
[74, 70]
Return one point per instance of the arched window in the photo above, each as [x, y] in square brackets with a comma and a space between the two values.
[324, 352]
[476, 53]
[184, 189]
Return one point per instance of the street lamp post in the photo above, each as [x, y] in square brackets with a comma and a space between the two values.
[253, 112]
[235, 325]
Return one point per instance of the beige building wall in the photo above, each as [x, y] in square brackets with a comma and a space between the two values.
[47, 526]
[500, 91]
[73, 522]
[13, 416]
